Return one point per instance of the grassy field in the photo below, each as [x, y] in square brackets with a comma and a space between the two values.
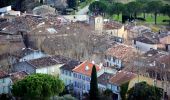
[149, 18]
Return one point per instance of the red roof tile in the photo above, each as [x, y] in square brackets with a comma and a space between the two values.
[122, 77]
[121, 52]
[83, 69]
[3, 74]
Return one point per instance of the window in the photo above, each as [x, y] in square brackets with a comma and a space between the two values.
[69, 73]
[83, 77]
[114, 59]
[75, 75]
[105, 56]
[79, 76]
[62, 71]
[66, 72]
[87, 79]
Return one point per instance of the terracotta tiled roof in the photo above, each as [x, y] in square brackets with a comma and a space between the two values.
[42, 62]
[121, 52]
[112, 25]
[3, 74]
[49, 61]
[122, 77]
[104, 78]
[85, 68]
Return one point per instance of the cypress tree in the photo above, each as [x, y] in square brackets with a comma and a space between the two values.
[94, 95]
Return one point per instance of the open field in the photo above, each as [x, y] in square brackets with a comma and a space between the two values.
[149, 18]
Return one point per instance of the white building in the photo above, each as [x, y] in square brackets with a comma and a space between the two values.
[118, 55]
[145, 44]
[78, 76]
[6, 80]
[117, 80]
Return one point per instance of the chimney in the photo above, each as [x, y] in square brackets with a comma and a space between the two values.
[93, 62]
[101, 65]
[87, 68]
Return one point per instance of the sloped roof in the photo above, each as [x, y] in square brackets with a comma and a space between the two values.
[122, 77]
[85, 68]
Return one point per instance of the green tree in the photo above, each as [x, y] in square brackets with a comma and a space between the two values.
[98, 7]
[166, 9]
[123, 90]
[133, 8]
[107, 95]
[94, 93]
[65, 97]
[116, 8]
[143, 91]
[155, 8]
[41, 1]
[37, 87]
[72, 4]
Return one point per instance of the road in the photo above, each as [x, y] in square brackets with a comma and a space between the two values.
[83, 11]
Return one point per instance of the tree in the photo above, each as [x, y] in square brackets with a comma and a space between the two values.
[133, 8]
[94, 94]
[166, 9]
[37, 86]
[107, 94]
[116, 8]
[123, 90]
[98, 7]
[41, 1]
[65, 97]
[154, 7]
[143, 91]
[72, 4]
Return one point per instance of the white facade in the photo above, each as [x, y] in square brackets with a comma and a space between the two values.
[53, 70]
[5, 9]
[112, 61]
[144, 47]
[5, 84]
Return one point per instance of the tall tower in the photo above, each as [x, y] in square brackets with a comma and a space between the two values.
[97, 23]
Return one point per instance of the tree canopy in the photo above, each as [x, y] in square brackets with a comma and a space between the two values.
[37, 86]
[98, 7]
[94, 94]
[72, 4]
[143, 91]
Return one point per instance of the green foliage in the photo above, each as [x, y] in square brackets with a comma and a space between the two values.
[65, 97]
[107, 95]
[123, 90]
[154, 7]
[4, 3]
[38, 86]
[116, 8]
[5, 97]
[72, 4]
[94, 93]
[98, 7]
[166, 10]
[143, 91]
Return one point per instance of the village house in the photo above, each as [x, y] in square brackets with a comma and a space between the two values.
[121, 77]
[82, 76]
[46, 65]
[6, 80]
[117, 30]
[147, 41]
[119, 55]
[78, 76]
